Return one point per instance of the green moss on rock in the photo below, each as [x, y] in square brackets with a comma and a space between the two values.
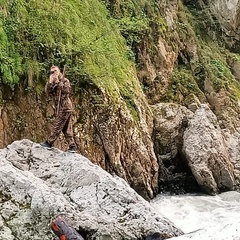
[35, 35]
[182, 87]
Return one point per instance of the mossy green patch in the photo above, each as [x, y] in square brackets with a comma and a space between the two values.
[35, 35]
[182, 87]
[137, 20]
[10, 59]
[211, 60]
[214, 60]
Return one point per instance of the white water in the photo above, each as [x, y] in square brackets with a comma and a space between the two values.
[202, 217]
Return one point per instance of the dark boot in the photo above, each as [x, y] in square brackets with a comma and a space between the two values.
[46, 144]
[72, 149]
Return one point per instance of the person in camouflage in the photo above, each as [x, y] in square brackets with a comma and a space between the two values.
[58, 88]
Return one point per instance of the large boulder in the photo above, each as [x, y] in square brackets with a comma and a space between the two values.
[37, 185]
[206, 152]
[170, 122]
[233, 145]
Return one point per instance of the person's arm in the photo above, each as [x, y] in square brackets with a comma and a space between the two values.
[65, 86]
[51, 86]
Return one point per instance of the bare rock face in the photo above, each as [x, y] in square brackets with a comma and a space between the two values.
[206, 152]
[233, 146]
[170, 121]
[228, 14]
[37, 185]
[121, 144]
[227, 10]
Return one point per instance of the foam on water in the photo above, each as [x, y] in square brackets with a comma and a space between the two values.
[203, 216]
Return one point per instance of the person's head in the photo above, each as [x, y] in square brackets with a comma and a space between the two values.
[55, 70]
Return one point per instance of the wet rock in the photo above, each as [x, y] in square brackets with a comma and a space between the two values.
[154, 236]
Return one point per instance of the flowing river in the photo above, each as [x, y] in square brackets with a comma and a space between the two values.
[202, 217]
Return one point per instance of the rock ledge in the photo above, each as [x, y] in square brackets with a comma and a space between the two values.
[37, 184]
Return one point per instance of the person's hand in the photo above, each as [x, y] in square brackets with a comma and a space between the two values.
[53, 79]
[50, 80]
[61, 84]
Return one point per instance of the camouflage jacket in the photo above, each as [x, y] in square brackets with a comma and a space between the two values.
[60, 92]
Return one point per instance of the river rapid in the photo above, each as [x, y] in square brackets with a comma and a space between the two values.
[202, 217]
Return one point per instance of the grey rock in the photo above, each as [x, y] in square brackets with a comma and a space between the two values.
[170, 122]
[169, 125]
[226, 11]
[37, 185]
[205, 149]
[227, 14]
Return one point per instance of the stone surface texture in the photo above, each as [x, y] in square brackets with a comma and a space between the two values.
[37, 184]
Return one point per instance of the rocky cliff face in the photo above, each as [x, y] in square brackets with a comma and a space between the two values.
[118, 143]
[184, 72]
[186, 58]
[227, 13]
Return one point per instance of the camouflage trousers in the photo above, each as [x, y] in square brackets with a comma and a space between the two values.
[62, 123]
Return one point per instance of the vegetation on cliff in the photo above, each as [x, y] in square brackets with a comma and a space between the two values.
[88, 37]
[101, 43]
[35, 35]
[212, 61]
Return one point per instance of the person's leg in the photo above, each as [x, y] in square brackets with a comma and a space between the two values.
[68, 133]
[58, 125]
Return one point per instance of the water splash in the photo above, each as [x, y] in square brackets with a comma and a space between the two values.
[202, 217]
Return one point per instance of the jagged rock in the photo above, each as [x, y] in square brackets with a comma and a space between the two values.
[170, 122]
[236, 70]
[206, 152]
[129, 151]
[227, 12]
[233, 145]
[114, 140]
[37, 184]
